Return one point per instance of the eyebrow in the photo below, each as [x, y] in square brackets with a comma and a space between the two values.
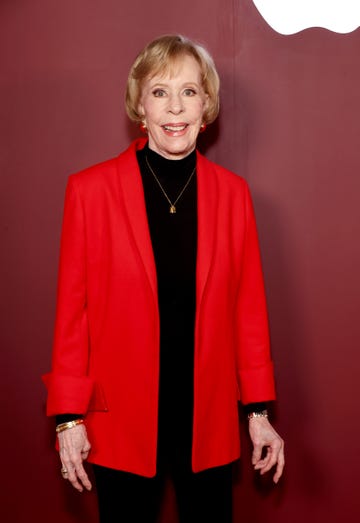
[185, 84]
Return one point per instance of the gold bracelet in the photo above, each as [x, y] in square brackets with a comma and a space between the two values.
[260, 414]
[68, 425]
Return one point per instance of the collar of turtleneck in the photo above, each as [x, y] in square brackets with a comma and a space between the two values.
[165, 168]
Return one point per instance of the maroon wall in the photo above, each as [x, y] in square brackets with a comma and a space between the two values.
[290, 125]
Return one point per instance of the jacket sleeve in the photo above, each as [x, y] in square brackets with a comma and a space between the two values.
[255, 368]
[69, 387]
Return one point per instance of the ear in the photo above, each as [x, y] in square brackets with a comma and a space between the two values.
[206, 103]
[140, 111]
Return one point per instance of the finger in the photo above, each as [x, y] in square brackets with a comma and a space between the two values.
[68, 473]
[86, 450]
[70, 464]
[77, 475]
[272, 456]
[73, 475]
[64, 471]
[280, 466]
[66, 463]
[256, 455]
[272, 452]
[72, 478]
[83, 477]
[264, 461]
[269, 463]
[276, 458]
[84, 454]
[87, 446]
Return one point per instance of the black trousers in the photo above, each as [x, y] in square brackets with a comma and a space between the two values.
[201, 497]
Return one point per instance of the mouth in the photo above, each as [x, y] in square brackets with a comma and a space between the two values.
[175, 128]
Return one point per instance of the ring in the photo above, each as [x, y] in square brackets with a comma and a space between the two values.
[64, 472]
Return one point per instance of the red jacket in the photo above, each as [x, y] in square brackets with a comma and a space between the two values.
[106, 348]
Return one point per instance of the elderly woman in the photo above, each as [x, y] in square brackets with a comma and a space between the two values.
[161, 320]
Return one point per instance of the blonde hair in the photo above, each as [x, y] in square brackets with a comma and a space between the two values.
[157, 58]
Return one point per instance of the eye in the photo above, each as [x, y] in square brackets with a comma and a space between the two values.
[189, 92]
[159, 93]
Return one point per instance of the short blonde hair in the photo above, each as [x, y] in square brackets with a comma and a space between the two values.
[160, 55]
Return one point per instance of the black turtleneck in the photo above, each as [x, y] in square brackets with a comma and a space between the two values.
[174, 241]
[173, 236]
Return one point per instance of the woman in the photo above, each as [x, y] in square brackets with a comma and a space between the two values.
[161, 318]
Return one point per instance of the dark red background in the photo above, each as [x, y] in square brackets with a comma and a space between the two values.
[290, 125]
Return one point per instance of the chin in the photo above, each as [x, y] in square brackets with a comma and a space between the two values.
[179, 149]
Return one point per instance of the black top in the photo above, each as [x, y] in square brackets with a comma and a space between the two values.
[174, 241]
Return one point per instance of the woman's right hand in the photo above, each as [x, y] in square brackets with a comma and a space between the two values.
[74, 449]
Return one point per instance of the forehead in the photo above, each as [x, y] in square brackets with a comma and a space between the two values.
[183, 68]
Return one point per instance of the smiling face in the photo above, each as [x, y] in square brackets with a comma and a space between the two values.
[172, 105]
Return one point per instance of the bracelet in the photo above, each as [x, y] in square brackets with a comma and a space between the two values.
[68, 425]
[260, 414]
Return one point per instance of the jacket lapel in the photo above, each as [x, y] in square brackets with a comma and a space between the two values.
[134, 201]
[207, 217]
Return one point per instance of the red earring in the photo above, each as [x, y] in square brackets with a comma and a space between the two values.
[143, 127]
[202, 127]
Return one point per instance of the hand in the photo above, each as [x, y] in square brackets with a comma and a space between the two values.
[74, 449]
[263, 435]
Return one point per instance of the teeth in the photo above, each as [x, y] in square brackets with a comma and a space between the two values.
[174, 128]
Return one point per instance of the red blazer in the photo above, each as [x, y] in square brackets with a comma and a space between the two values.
[106, 349]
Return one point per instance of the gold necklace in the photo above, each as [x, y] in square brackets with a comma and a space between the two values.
[172, 209]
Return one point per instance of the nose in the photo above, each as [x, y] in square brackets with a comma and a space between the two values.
[176, 105]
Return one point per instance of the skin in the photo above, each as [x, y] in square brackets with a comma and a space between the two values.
[265, 438]
[172, 106]
[75, 448]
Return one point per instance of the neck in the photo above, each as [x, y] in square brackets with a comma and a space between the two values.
[170, 156]
[164, 167]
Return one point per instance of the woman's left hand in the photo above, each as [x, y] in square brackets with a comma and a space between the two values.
[264, 437]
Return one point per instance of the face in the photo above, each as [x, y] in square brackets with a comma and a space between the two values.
[173, 106]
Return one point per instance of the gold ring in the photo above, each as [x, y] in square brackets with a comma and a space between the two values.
[64, 472]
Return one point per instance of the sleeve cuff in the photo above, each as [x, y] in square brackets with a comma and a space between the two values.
[67, 393]
[257, 384]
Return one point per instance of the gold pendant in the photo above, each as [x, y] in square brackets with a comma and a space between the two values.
[172, 209]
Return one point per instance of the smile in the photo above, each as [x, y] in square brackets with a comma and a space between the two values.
[175, 128]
